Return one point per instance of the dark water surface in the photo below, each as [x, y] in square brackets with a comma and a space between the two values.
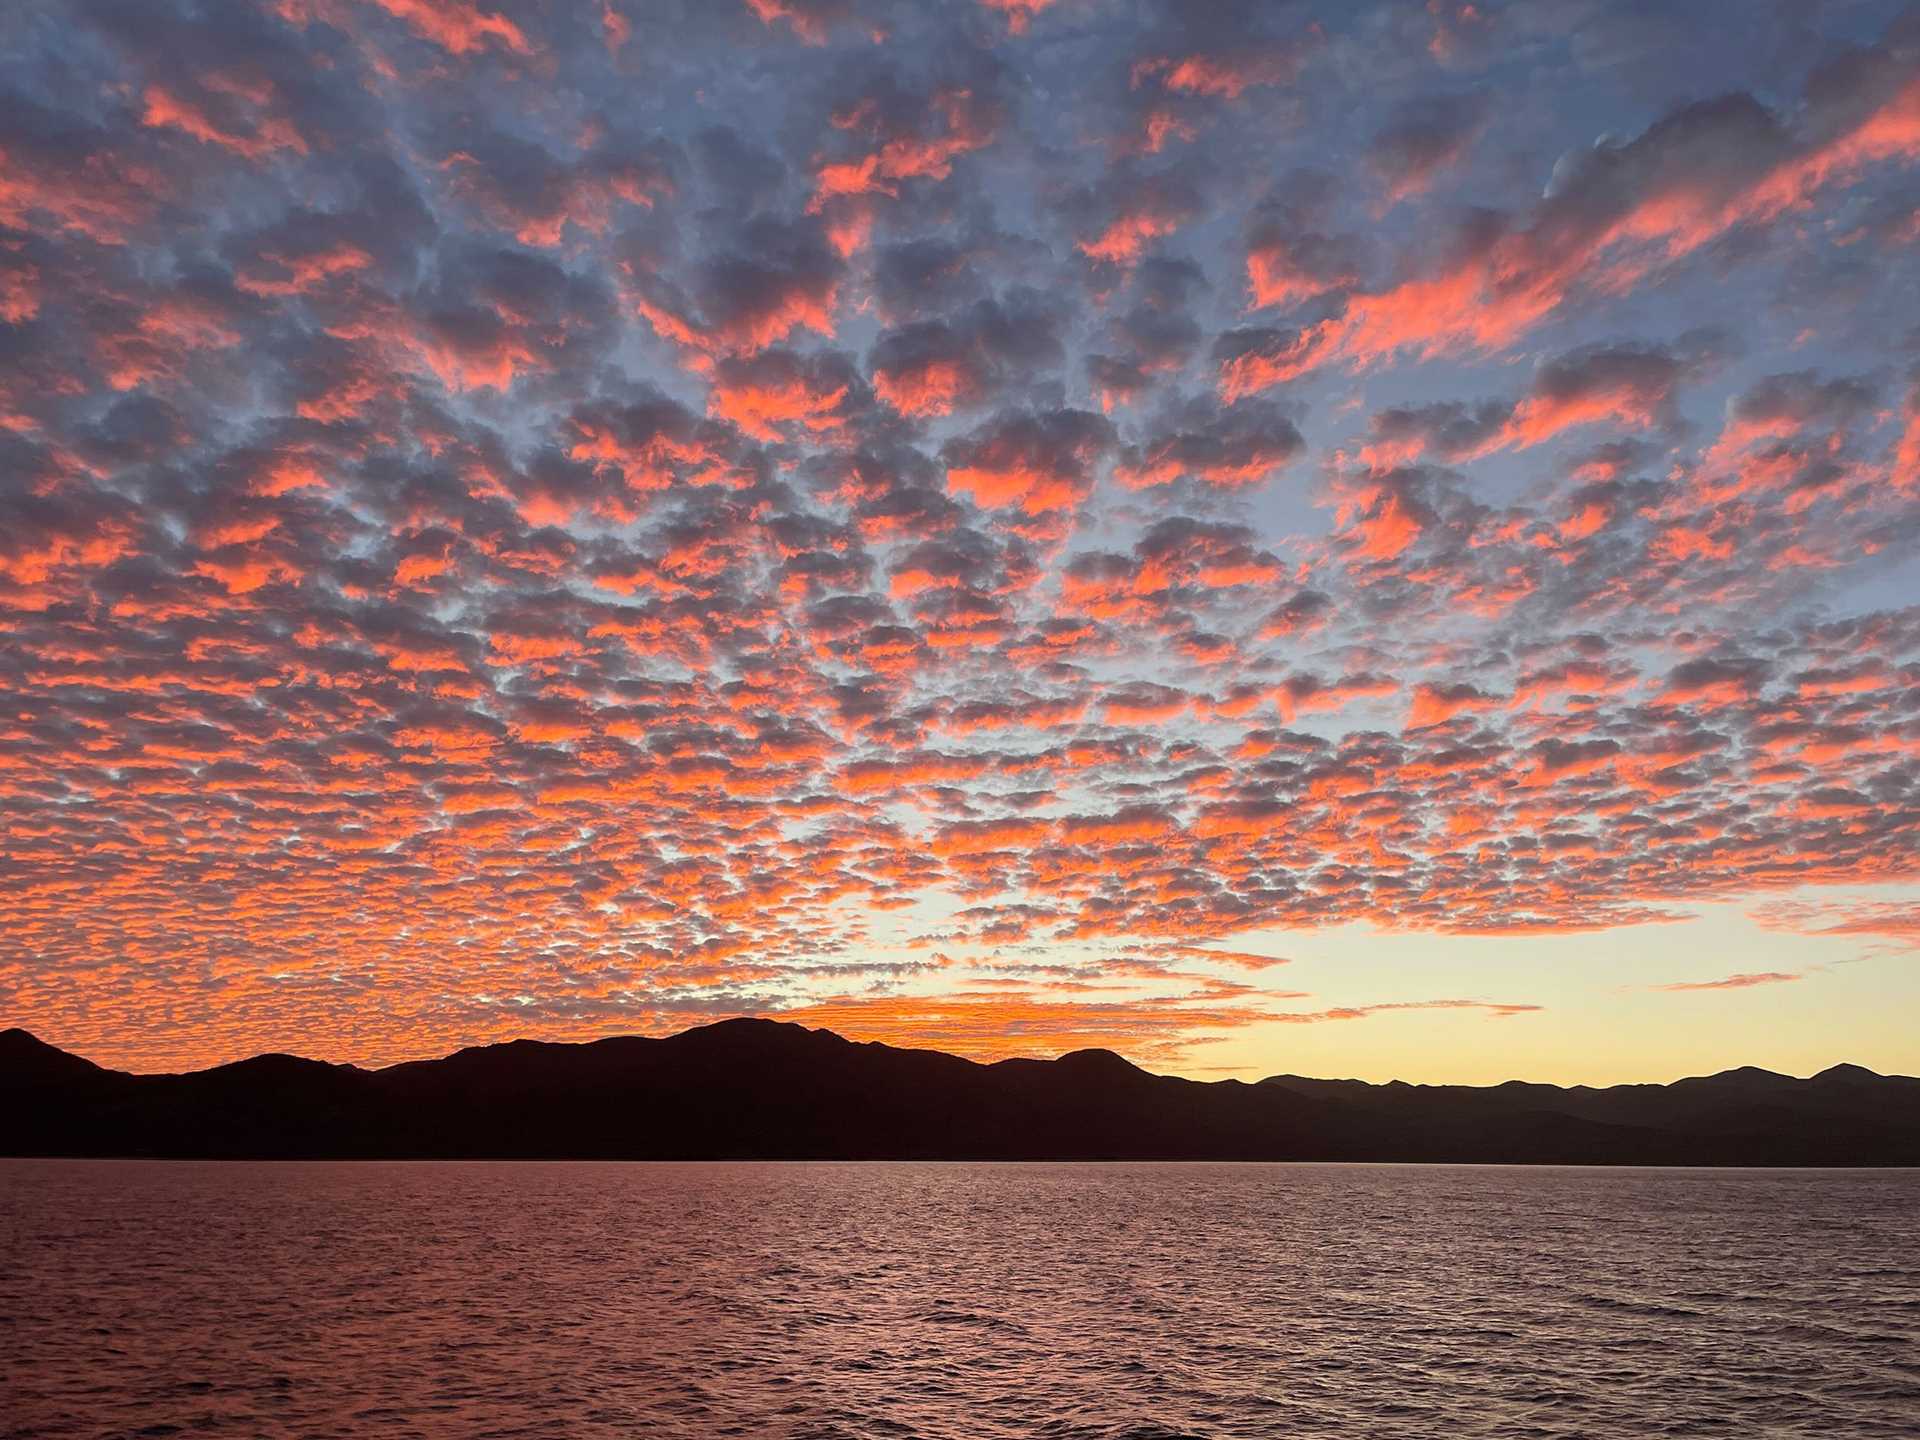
[471, 1300]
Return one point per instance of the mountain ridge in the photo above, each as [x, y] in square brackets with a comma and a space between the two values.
[765, 1089]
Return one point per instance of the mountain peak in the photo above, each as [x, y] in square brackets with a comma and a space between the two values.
[749, 1025]
[1097, 1061]
[1741, 1075]
[755, 1029]
[25, 1057]
[1845, 1071]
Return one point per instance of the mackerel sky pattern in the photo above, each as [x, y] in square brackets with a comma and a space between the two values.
[538, 518]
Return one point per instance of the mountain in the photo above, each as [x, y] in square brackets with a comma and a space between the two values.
[760, 1089]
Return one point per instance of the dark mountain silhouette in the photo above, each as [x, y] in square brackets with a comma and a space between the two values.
[759, 1089]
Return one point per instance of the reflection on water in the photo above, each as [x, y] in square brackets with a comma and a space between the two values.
[155, 1298]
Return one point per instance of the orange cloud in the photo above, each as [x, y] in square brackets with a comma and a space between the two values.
[165, 110]
[1019, 13]
[1735, 982]
[457, 26]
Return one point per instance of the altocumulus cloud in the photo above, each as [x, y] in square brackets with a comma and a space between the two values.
[521, 518]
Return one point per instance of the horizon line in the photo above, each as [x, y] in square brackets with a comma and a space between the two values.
[926, 1049]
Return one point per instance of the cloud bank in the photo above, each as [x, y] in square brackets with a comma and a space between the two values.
[545, 519]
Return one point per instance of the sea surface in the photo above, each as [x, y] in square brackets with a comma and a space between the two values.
[867, 1302]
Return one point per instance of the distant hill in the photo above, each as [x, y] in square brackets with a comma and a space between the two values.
[760, 1089]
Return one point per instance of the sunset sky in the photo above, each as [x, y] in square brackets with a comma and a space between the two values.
[1374, 540]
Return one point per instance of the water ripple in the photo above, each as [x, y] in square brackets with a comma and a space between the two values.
[863, 1302]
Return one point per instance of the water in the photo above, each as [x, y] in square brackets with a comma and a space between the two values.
[842, 1302]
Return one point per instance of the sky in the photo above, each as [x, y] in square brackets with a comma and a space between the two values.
[1352, 539]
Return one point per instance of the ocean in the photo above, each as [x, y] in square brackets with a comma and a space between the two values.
[877, 1301]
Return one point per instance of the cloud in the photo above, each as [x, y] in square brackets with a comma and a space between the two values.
[519, 519]
[1123, 218]
[779, 280]
[1240, 446]
[1891, 922]
[457, 26]
[809, 20]
[1736, 982]
[1494, 1009]
[936, 367]
[1422, 138]
[1035, 463]
[1612, 217]
[778, 393]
